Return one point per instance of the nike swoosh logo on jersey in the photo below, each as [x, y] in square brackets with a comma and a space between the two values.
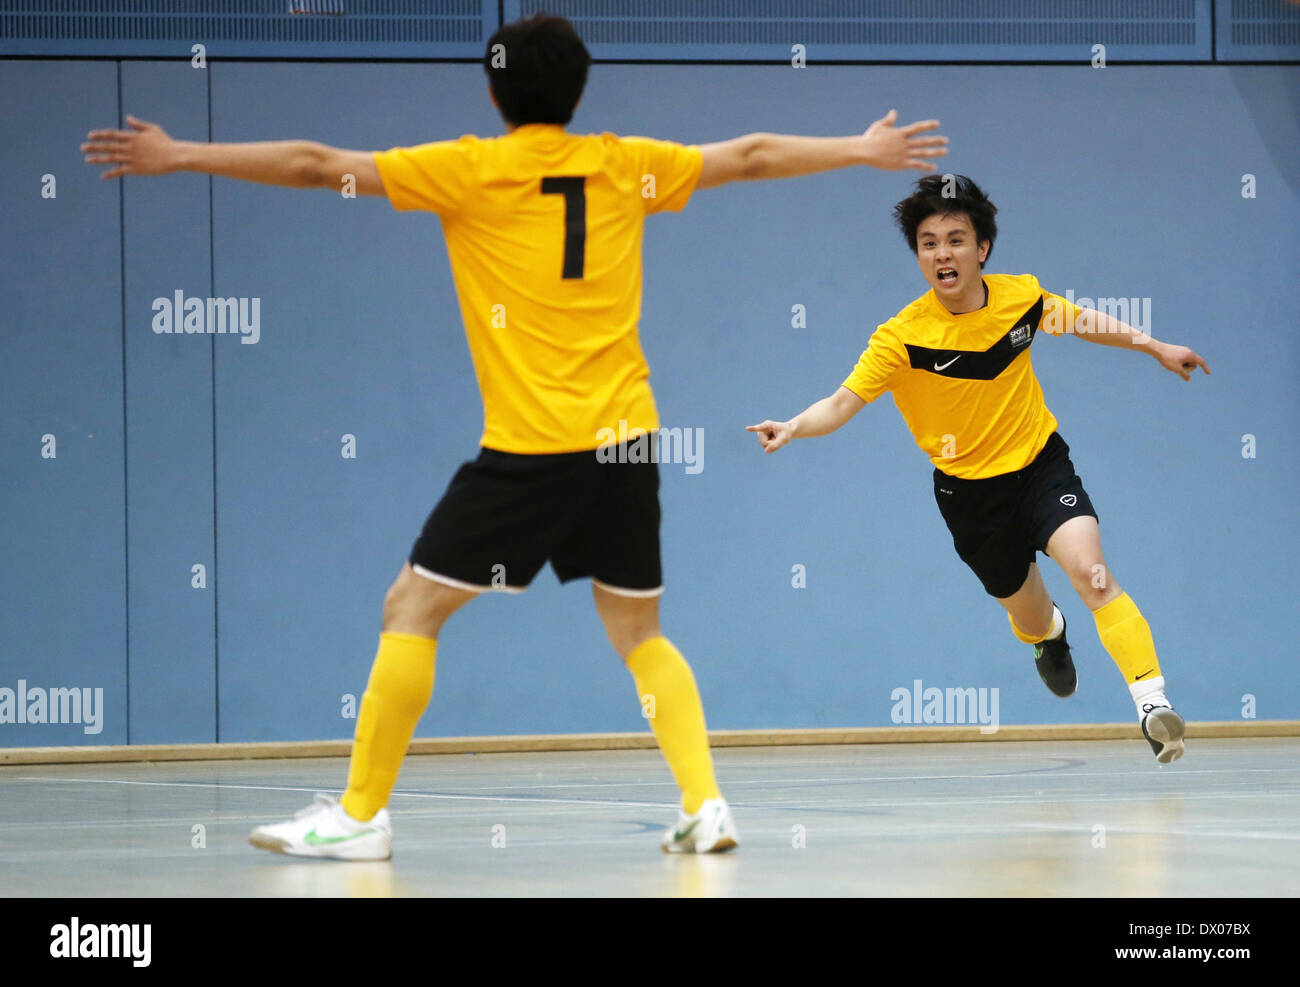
[987, 364]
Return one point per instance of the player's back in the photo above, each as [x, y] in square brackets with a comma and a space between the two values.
[544, 230]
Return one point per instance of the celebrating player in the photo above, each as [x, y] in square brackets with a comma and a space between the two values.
[957, 361]
[546, 227]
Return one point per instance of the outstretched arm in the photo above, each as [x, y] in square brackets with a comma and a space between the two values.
[756, 157]
[1098, 327]
[821, 418]
[146, 149]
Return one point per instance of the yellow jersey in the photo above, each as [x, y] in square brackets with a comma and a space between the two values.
[543, 232]
[965, 384]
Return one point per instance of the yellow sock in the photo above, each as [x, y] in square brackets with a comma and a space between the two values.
[671, 701]
[401, 682]
[1027, 638]
[1125, 635]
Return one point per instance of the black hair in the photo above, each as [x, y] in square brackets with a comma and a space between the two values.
[947, 194]
[537, 68]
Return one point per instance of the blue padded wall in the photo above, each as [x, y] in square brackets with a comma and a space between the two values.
[360, 336]
[1107, 185]
[63, 577]
[169, 421]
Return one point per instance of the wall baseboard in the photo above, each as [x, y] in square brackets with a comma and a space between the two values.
[637, 741]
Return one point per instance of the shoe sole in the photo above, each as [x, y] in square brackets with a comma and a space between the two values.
[277, 845]
[1167, 730]
[721, 846]
[1064, 695]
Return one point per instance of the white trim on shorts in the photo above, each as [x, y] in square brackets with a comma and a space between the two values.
[420, 570]
[640, 594]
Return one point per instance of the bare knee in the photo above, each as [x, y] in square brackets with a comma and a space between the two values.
[416, 605]
[629, 621]
[1092, 580]
[627, 637]
[630, 629]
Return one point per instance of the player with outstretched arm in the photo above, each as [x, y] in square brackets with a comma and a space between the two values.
[547, 224]
[957, 361]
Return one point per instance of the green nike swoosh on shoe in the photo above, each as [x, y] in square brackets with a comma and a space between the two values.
[311, 839]
[681, 834]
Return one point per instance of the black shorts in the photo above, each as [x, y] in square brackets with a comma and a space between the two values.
[998, 524]
[505, 515]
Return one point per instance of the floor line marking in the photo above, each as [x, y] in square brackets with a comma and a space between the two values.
[290, 788]
[803, 780]
[875, 803]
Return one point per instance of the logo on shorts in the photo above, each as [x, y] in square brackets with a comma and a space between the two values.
[1069, 500]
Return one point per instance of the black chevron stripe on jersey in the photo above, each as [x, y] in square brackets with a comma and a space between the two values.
[980, 364]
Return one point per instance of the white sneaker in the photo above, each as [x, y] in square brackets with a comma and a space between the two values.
[708, 831]
[324, 829]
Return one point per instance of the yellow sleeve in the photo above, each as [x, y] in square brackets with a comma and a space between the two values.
[666, 172]
[1059, 314]
[436, 177]
[879, 365]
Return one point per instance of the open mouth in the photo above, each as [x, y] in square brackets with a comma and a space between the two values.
[947, 275]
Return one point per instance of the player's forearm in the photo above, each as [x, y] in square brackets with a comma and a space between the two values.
[780, 156]
[821, 418]
[296, 164]
[1099, 327]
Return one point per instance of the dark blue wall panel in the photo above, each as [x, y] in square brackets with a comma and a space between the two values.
[671, 30]
[249, 28]
[1257, 30]
[169, 421]
[62, 549]
[887, 30]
